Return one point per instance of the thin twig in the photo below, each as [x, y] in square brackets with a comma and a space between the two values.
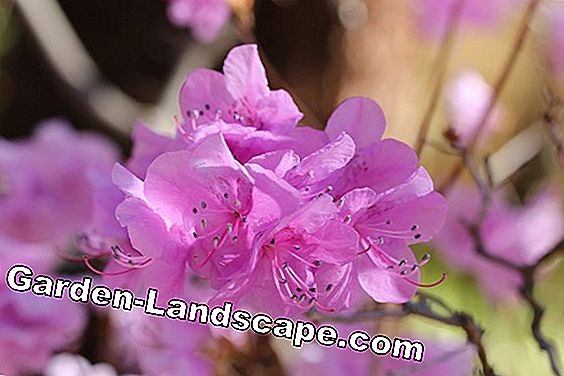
[498, 89]
[441, 68]
[421, 308]
[527, 272]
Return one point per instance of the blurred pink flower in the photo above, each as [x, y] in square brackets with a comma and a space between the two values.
[507, 231]
[49, 180]
[555, 41]
[206, 18]
[468, 96]
[33, 328]
[433, 15]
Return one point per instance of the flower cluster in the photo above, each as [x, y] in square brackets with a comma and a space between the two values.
[274, 216]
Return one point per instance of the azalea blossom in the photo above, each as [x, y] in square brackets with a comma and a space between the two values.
[507, 231]
[36, 201]
[206, 18]
[240, 104]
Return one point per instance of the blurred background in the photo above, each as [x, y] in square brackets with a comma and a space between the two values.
[104, 64]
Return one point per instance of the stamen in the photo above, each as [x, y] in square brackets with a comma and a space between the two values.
[86, 261]
[429, 285]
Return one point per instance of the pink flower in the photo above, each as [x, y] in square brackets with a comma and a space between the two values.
[555, 44]
[467, 98]
[33, 328]
[386, 198]
[507, 231]
[296, 263]
[205, 17]
[379, 164]
[49, 182]
[387, 223]
[239, 103]
[433, 15]
[191, 203]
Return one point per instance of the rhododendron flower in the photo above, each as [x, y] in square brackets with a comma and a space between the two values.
[76, 365]
[433, 15]
[379, 164]
[295, 263]
[49, 182]
[387, 223]
[205, 17]
[297, 224]
[162, 346]
[32, 328]
[199, 197]
[239, 103]
[507, 231]
[468, 96]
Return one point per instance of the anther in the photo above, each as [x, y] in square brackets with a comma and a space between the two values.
[203, 223]
[194, 210]
[204, 205]
[329, 287]
[348, 219]
[414, 227]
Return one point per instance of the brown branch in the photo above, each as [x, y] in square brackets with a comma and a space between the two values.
[441, 68]
[498, 89]
[527, 293]
[527, 272]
